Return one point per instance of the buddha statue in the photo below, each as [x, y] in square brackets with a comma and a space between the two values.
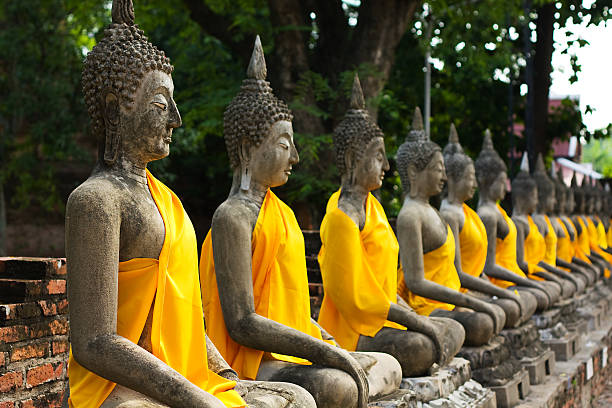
[501, 264]
[428, 279]
[567, 257]
[253, 267]
[136, 322]
[531, 245]
[592, 222]
[359, 257]
[549, 231]
[470, 234]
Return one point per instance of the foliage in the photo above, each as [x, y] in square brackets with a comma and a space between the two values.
[599, 152]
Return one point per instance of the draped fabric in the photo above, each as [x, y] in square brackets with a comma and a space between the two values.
[609, 233]
[601, 235]
[550, 256]
[578, 248]
[594, 244]
[534, 249]
[171, 285]
[439, 267]
[280, 285]
[472, 243]
[565, 248]
[583, 237]
[505, 252]
[359, 270]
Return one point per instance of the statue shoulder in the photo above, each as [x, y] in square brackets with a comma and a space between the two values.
[452, 214]
[235, 215]
[96, 195]
[488, 212]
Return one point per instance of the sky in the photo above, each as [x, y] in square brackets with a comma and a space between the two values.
[594, 85]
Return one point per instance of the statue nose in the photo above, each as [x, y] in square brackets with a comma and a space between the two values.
[174, 118]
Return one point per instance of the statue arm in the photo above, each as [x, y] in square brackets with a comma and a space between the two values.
[231, 240]
[521, 232]
[324, 333]
[559, 273]
[92, 233]
[411, 251]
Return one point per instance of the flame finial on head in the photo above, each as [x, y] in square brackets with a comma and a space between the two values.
[525, 163]
[357, 99]
[453, 137]
[257, 65]
[540, 167]
[417, 132]
[574, 182]
[487, 142]
[123, 12]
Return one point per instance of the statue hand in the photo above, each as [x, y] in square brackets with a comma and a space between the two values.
[354, 369]
[497, 314]
[241, 387]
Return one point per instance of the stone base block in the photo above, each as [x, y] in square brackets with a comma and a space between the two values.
[580, 327]
[565, 347]
[539, 368]
[547, 318]
[517, 388]
[442, 383]
[592, 315]
[399, 399]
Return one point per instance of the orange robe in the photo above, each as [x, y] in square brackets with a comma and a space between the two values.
[601, 234]
[565, 248]
[439, 267]
[472, 243]
[550, 256]
[505, 252]
[359, 270]
[280, 285]
[583, 237]
[609, 233]
[576, 243]
[594, 244]
[534, 249]
[171, 284]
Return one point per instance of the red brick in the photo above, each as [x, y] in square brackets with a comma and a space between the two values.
[46, 400]
[50, 308]
[56, 287]
[27, 404]
[2, 360]
[59, 371]
[7, 404]
[19, 311]
[12, 334]
[59, 326]
[11, 381]
[39, 375]
[32, 268]
[40, 349]
[60, 346]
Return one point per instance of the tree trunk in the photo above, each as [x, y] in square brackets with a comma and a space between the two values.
[2, 222]
[542, 80]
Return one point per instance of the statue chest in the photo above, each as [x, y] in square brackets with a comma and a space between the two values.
[142, 229]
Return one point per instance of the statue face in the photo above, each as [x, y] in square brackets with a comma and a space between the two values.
[560, 201]
[570, 203]
[147, 124]
[271, 162]
[466, 185]
[370, 169]
[550, 201]
[497, 189]
[431, 179]
[530, 201]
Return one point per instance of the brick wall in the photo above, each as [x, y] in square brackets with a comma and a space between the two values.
[33, 332]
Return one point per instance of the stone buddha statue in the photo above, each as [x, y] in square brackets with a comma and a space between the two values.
[136, 322]
[501, 264]
[595, 227]
[531, 245]
[359, 257]
[253, 267]
[566, 233]
[549, 229]
[429, 281]
[470, 234]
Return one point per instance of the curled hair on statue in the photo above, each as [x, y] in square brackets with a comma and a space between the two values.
[488, 164]
[116, 66]
[354, 132]
[250, 115]
[522, 186]
[416, 151]
[455, 159]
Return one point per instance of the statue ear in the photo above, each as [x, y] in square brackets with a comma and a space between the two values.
[412, 172]
[111, 128]
[245, 173]
[349, 165]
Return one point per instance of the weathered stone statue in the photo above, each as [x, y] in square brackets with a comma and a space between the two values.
[567, 257]
[501, 265]
[592, 222]
[470, 233]
[430, 283]
[136, 321]
[255, 293]
[359, 256]
[531, 245]
[550, 228]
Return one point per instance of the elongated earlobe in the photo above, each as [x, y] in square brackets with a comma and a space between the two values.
[112, 136]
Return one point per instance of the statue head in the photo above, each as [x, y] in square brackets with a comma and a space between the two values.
[546, 187]
[459, 167]
[257, 128]
[359, 145]
[490, 170]
[418, 158]
[578, 193]
[561, 193]
[524, 193]
[129, 92]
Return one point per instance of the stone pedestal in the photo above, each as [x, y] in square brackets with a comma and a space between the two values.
[565, 347]
[509, 394]
[539, 367]
[492, 364]
[450, 386]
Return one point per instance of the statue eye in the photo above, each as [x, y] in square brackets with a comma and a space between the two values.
[284, 146]
[160, 105]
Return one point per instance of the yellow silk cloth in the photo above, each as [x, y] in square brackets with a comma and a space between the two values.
[439, 267]
[609, 233]
[359, 270]
[601, 234]
[594, 244]
[280, 285]
[472, 243]
[550, 256]
[583, 238]
[565, 248]
[505, 252]
[534, 249]
[578, 252]
[171, 285]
